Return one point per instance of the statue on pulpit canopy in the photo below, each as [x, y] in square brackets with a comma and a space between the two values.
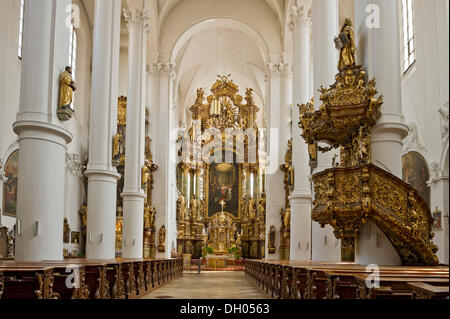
[345, 42]
[66, 89]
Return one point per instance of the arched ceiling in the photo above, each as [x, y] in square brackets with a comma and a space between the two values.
[218, 51]
[165, 6]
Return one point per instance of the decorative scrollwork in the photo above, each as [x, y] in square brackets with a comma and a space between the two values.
[346, 198]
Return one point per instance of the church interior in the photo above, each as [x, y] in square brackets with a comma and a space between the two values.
[196, 149]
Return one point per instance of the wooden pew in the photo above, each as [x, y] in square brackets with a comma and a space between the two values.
[426, 291]
[99, 279]
[394, 287]
[27, 283]
[341, 284]
[307, 279]
[129, 279]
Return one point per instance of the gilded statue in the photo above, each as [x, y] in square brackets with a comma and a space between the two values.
[145, 175]
[345, 42]
[181, 207]
[249, 97]
[194, 208]
[66, 231]
[118, 138]
[162, 239]
[262, 206]
[83, 215]
[147, 224]
[286, 221]
[202, 210]
[312, 149]
[251, 209]
[238, 241]
[271, 244]
[67, 87]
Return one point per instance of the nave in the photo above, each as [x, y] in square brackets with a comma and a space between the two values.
[209, 285]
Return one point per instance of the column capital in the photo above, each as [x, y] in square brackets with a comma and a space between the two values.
[139, 18]
[152, 69]
[286, 70]
[273, 70]
[300, 15]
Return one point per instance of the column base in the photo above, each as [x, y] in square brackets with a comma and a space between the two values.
[40, 202]
[101, 216]
[133, 224]
[300, 243]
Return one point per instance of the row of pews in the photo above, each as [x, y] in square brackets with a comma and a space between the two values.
[322, 280]
[86, 279]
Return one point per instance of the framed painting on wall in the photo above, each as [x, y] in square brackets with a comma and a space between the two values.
[416, 173]
[437, 219]
[10, 186]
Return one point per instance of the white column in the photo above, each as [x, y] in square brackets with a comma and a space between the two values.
[133, 194]
[388, 133]
[439, 188]
[285, 106]
[161, 193]
[275, 187]
[325, 27]
[102, 176]
[379, 52]
[300, 26]
[42, 137]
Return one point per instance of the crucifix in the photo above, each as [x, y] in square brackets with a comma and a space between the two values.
[222, 203]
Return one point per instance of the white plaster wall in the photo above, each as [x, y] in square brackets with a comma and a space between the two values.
[325, 246]
[123, 72]
[10, 75]
[374, 247]
[425, 90]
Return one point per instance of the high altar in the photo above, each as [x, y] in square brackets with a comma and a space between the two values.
[220, 178]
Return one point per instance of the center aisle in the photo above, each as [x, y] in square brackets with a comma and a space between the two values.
[209, 285]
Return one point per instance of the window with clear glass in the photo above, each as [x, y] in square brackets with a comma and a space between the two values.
[73, 51]
[408, 41]
[21, 17]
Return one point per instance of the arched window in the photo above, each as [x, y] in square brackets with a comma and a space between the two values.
[21, 17]
[73, 51]
[408, 40]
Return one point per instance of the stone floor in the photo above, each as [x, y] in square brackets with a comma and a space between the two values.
[209, 285]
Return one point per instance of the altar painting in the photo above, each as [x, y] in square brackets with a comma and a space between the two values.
[223, 189]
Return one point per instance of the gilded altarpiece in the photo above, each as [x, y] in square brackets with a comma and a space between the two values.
[221, 202]
[285, 229]
[147, 183]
